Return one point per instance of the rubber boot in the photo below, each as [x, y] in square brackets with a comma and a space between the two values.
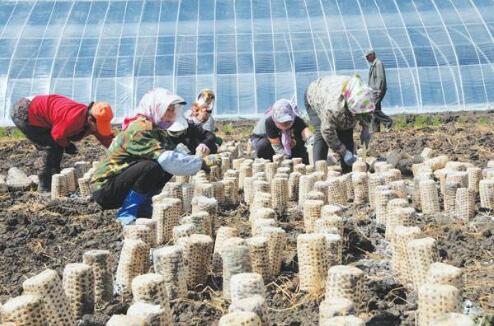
[44, 183]
[127, 214]
[146, 210]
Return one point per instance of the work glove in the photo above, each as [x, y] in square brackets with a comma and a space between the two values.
[309, 141]
[71, 149]
[202, 150]
[181, 148]
[205, 167]
[279, 150]
[349, 158]
[365, 137]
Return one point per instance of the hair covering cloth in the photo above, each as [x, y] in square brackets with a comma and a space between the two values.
[206, 99]
[154, 104]
[359, 97]
[283, 111]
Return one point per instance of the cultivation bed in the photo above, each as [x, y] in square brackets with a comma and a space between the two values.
[37, 233]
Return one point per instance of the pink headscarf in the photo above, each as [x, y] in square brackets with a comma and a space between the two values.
[283, 111]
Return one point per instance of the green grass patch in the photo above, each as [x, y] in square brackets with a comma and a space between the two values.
[227, 129]
[484, 121]
[400, 123]
[12, 133]
[17, 134]
[425, 120]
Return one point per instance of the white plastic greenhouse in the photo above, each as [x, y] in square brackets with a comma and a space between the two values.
[439, 54]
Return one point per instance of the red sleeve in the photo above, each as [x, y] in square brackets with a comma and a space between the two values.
[104, 140]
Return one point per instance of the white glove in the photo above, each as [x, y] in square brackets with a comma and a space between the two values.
[279, 150]
[309, 141]
[181, 148]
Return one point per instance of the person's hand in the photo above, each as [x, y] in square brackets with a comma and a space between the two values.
[202, 150]
[71, 149]
[205, 167]
[349, 158]
[365, 137]
[309, 141]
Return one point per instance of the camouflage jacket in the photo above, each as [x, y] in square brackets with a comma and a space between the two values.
[139, 141]
[324, 95]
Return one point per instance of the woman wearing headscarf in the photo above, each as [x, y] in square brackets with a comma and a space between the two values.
[142, 158]
[201, 111]
[281, 131]
[335, 104]
[192, 137]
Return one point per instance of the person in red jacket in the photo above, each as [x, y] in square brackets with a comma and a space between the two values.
[54, 122]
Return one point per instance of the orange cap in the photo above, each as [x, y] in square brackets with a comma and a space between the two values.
[103, 114]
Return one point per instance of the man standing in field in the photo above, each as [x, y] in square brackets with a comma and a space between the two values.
[377, 81]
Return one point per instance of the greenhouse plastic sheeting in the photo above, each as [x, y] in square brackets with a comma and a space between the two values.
[438, 54]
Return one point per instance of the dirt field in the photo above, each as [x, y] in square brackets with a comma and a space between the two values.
[37, 233]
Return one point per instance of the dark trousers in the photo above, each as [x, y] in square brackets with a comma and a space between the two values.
[52, 153]
[379, 116]
[263, 149]
[144, 176]
[320, 149]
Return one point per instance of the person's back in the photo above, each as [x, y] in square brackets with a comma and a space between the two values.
[324, 95]
[49, 110]
[260, 127]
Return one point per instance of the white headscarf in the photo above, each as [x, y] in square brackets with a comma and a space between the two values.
[154, 104]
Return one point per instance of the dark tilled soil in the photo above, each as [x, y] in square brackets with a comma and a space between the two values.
[467, 136]
[23, 154]
[37, 233]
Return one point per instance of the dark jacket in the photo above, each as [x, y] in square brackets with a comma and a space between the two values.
[195, 135]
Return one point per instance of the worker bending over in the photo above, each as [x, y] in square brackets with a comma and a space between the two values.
[335, 104]
[54, 122]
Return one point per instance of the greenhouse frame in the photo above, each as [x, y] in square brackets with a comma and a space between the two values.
[438, 54]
